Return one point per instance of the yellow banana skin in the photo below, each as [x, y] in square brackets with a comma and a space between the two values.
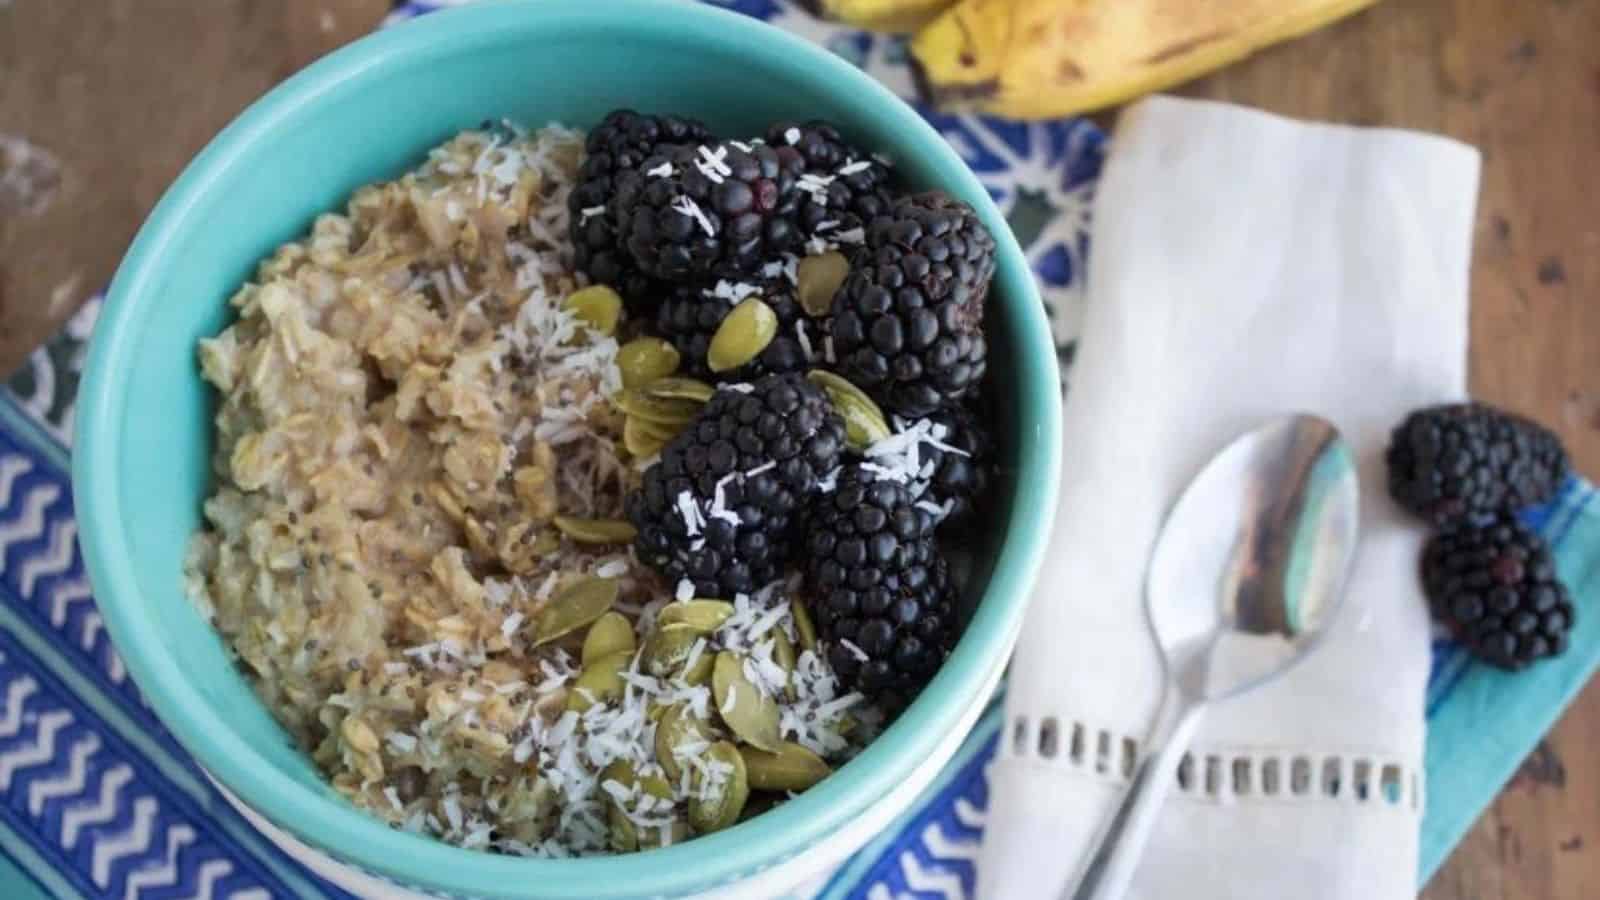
[1039, 59]
[899, 16]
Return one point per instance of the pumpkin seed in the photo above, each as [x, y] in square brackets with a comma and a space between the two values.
[705, 615]
[574, 606]
[611, 633]
[803, 626]
[624, 834]
[645, 439]
[656, 786]
[668, 648]
[678, 727]
[595, 531]
[643, 360]
[864, 424]
[622, 772]
[599, 682]
[751, 715]
[817, 279]
[597, 305]
[677, 388]
[677, 833]
[544, 543]
[743, 334]
[791, 768]
[721, 808]
[660, 410]
[700, 672]
[619, 770]
[783, 655]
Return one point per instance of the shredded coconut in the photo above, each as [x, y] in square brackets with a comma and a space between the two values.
[803, 337]
[686, 206]
[711, 164]
[511, 624]
[853, 649]
[815, 185]
[732, 291]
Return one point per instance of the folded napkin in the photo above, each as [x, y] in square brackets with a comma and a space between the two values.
[1244, 266]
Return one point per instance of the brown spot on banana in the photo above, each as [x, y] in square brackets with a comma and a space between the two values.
[968, 57]
[1184, 46]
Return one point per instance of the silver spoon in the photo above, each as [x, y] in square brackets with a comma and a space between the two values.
[1247, 576]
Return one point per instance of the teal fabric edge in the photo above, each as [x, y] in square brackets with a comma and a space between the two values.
[25, 875]
[1502, 716]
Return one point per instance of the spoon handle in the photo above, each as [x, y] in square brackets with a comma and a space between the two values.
[1117, 855]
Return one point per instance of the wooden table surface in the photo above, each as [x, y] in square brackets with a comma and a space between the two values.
[121, 93]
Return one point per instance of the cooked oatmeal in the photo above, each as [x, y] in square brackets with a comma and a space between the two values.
[414, 423]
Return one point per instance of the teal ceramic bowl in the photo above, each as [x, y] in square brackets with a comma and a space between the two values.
[368, 112]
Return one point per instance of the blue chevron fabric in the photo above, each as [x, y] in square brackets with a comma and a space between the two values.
[97, 799]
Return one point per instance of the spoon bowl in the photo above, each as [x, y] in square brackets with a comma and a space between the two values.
[1250, 567]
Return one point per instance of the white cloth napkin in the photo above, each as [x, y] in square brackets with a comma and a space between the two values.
[1244, 266]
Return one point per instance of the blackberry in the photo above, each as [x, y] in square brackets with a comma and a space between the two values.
[880, 591]
[847, 188]
[700, 210]
[690, 316]
[960, 476]
[907, 323]
[718, 506]
[1495, 587]
[621, 141]
[1469, 460]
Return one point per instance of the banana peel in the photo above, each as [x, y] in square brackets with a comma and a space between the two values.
[897, 16]
[1039, 59]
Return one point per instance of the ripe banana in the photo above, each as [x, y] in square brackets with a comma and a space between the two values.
[881, 15]
[1036, 59]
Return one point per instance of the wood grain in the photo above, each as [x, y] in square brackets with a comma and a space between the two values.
[125, 94]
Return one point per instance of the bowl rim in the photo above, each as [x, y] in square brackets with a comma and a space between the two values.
[352, 836]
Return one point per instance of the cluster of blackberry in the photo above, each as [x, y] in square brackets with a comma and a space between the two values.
[614, 148]
[1470, 469]
[687, 227]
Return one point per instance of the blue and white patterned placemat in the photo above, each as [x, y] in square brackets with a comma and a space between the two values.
[98, 800]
